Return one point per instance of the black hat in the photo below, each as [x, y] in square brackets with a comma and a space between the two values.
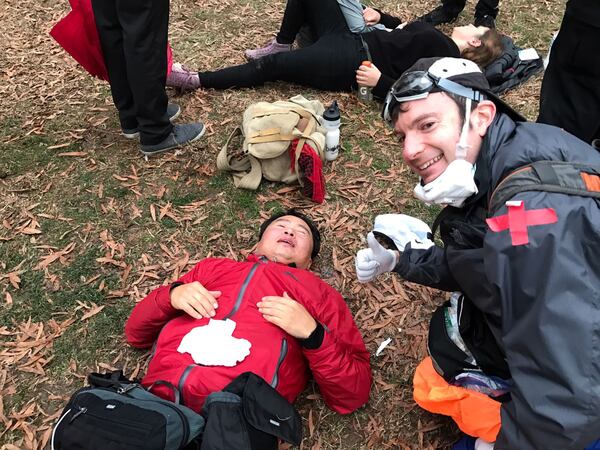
[314, 231]
[457, 70]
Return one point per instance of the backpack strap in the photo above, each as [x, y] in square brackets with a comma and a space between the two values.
[176, 394]
[549, 176]
[246, 170]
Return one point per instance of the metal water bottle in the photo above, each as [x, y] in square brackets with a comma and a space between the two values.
[331, 122]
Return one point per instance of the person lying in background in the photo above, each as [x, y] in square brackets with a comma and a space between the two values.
[333, 61]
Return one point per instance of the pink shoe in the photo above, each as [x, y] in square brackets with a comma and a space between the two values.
[183, 78]
[270, 49]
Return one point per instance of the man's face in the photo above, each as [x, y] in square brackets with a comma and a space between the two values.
[430, 129]
[287, 240]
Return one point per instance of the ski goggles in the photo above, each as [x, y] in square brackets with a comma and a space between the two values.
[419, 84]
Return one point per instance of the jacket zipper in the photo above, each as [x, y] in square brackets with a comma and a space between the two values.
[238, 300]
[182, 379]
[236, 306]
[282, 354]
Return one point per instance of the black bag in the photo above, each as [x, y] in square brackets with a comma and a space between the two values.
[249, 415]
[114, 413]
[448, 359]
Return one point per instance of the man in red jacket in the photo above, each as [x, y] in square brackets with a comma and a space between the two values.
[292, 322]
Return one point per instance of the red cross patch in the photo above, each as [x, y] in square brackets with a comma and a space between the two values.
[518, 219]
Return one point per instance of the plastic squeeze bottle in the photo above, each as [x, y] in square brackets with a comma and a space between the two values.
[364, 92]
[331, 122]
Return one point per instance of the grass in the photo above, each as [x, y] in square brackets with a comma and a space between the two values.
[95, 191]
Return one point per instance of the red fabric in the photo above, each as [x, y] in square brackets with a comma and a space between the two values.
[518, 219]
[77, 34]
[310, 171]
[340, 366]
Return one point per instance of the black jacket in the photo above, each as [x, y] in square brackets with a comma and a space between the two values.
[394, 51]
[541, 300]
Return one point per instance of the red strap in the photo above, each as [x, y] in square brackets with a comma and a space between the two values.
[518, 219]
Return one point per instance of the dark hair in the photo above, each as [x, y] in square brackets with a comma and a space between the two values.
[316, 236]
[490, 49]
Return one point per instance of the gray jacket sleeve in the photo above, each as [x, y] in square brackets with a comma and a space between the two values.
[428, 267]
[549, 292]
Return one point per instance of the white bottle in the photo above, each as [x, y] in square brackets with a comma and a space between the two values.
[331, 122]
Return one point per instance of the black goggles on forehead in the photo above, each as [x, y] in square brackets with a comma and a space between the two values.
[417, 85]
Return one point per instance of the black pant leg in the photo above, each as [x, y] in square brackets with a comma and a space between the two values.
[486, 8]
[111, 40]
[322, 16]
[145, 24]
[454, 6]
[570, 94]
[328, 64]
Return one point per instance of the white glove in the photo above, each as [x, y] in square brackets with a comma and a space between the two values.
[452, 187]
[373, 261]
[480, 444]
[403, 229]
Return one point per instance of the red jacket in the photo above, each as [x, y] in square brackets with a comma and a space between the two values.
[340, 365]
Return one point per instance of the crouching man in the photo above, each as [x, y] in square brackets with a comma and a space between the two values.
[515, 352]
[268, 315]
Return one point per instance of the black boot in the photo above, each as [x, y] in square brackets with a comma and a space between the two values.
[485, 21]
[439, 15]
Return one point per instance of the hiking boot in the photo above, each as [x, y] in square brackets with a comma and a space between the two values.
[173, 112]
[439, 16]
[485, 21]
[270, 49]
[183, 78]
[182, 134]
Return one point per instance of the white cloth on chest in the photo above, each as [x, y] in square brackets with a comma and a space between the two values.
[214, 345]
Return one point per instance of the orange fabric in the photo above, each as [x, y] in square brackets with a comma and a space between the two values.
[475, 414]
[592, 182]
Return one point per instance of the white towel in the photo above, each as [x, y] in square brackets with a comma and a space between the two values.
[214, 345]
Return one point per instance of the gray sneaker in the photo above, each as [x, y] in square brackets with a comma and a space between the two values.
[182, 134]
[173, 111]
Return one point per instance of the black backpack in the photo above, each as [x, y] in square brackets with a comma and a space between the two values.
[249, 415]
[550, 176]
[114, 413]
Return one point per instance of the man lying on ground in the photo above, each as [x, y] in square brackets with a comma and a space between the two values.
[286, 322]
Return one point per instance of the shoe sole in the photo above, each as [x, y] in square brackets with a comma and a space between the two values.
[136, 135]
[183, 144]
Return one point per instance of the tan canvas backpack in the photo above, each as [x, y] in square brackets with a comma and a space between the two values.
[268, 130]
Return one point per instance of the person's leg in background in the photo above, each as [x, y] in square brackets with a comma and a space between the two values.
[447, 12]
[145, 48]
[111, 39]
[133, 36]
[322, 16]
[570, 93]
[327, 64]
[485, 13]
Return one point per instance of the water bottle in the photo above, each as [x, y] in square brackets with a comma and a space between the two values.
[331, 122]
[364, 92]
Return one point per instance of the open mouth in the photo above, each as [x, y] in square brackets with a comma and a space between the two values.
[430, 162]
[286, 241]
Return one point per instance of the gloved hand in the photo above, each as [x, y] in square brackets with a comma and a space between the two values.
[373, 261]
[480, 444]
